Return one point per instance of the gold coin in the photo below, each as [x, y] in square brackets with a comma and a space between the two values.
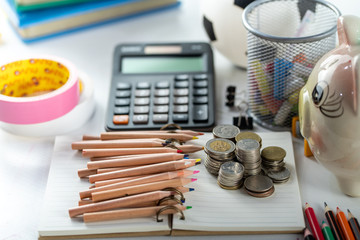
[248, 135]
[220, 146]
[273, 153]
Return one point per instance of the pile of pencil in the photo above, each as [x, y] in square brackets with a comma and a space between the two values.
[133, 172]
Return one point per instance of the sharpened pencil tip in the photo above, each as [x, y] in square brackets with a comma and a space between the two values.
[188, 207]
[198, 160]
[194, 137]
[179, 151]
[183, 200]
[191, 189]
[200, 133]
[196, 171]
[193, 179]
[325, 204]
[186, 155]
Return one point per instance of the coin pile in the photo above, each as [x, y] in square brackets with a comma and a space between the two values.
[231, 175]
[259, 186]
[248, 135]
[247, 152]
[218, 151]
[226, 132]
[274, 165]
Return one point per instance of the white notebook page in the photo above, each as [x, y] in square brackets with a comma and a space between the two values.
[217, 209]
[62, 193]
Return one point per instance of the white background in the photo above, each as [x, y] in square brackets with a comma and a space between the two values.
[24, 162]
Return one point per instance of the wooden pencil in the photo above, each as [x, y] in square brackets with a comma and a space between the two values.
[147, 187]
[138, 181]
[141, 170]
[135, 161]
[127, 156]
[85, 172]
[116, 180]
[190, 148]
[344, 225]
[313, 222]
[334, 225]
[120, 143]
[135, 135]
[119, 202]
[354, 225]
[126, 151]
[128, 213]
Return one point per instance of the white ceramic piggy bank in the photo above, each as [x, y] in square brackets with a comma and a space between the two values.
[329, 108]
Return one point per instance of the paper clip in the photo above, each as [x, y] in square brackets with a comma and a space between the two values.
[169, 208]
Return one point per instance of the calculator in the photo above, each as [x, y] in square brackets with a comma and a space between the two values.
[154, 84]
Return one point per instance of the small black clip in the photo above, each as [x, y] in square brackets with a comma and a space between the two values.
[243, 121]
[230, 96]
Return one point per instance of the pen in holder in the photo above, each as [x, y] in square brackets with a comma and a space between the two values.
[285, 40]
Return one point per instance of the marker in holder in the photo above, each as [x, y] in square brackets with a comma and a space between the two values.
[284, 45]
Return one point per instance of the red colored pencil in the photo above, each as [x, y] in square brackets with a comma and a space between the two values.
[313, 222]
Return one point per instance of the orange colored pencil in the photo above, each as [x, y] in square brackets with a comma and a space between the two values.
[106, 152]
[141, 170]
[128, 213]
[119, 202]
[138, 181]
[136, 160]
[344, 225]
[120, 143]
[135, 135]
[147, 187]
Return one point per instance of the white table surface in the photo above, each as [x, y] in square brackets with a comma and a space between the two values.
[24, 162]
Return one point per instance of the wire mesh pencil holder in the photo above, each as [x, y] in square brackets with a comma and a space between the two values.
[285, 40]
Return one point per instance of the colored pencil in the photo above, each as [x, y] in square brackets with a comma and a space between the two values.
[344, 225]
[136, 135]
[141, 170]
[133, 182]
[333, 224]
[326, 230]
[147, 187]
[106, 152]
[120, 143]
[119, 202]
[128, 213]
[136, 160]
[190, 148]
[354, 225]
[308, 235]
[116, 180]
[313, 222]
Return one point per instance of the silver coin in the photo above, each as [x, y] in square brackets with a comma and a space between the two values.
[279, 176]
[247, 145]
[226, 131]
[258, 183]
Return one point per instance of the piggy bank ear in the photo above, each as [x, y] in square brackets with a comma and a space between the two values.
[355, 81]
[349, 30]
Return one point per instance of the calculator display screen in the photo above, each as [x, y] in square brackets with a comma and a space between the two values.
[159, 64]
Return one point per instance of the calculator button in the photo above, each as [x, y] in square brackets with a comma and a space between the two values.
[142, 101]
[200, 77]
[163, 84]
[200, 113]
[181, 92]
[121, 119]
[122, 94]
[180, 118]
[200, 100]
[121, 110]
[181, 100]
[181, 77]
[200, 84]
[161, 101]
[160, 118]
[140, 119]
[122, 101]
[141, 109]
[123, 86]
[161, 109]
[200, 91]
[142, 93]
[181, 109]
[182, 84]
[143, 85]
[162, 92]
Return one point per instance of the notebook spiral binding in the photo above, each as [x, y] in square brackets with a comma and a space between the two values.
[169, 208]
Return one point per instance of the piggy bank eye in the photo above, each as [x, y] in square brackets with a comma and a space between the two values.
[320, 93]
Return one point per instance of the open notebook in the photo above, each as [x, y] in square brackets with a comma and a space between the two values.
[214, 210]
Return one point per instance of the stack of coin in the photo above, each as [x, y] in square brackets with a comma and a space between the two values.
[231, 175]
[273, 158]
[248, 135]
[259, 186]
[248, 153]
[226, 131]
[279, 176]
[218, 151]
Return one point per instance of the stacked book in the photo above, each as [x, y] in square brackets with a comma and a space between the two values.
[38, 19]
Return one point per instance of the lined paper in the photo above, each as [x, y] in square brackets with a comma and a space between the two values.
[217, 209]
[62, 193]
